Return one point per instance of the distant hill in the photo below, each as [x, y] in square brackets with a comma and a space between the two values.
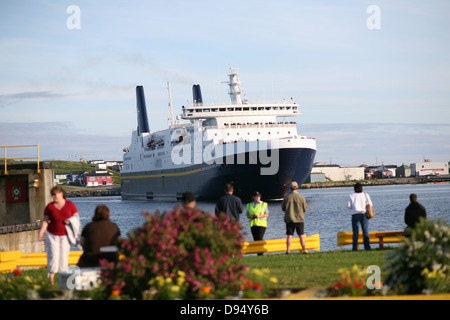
[67, 166]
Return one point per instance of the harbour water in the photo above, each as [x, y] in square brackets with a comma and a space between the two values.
[326, 215]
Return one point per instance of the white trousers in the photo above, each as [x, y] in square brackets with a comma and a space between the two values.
[58, 248]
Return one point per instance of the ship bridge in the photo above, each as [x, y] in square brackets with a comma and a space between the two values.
[238, 111]
[246, 114]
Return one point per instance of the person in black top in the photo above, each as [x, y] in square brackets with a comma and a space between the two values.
[229, 203]
[99, 233]
[414, 211]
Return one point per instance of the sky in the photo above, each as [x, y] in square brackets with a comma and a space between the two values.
[372, 78]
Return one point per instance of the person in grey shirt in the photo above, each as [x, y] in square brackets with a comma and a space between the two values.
[294, 207]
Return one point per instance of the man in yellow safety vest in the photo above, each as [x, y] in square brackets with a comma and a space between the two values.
[257, 213]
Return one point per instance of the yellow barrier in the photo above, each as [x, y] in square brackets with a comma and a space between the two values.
[345, 238]
[279, 245]
[10, 260]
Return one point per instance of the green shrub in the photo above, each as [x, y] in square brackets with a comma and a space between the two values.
[422, 263]
[203, 248]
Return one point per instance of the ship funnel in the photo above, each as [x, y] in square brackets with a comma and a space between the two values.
[142, 119]
[197, 93]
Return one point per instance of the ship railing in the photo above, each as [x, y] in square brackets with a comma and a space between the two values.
[255, 125]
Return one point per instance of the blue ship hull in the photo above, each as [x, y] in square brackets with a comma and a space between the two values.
[208, 181]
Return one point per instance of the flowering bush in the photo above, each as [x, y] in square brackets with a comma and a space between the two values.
[178, 254]
[172, 287]
[19, 287]
[422, 263]
[353, 283]
[258, 284]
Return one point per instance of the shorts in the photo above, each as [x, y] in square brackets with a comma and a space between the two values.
[291, 227]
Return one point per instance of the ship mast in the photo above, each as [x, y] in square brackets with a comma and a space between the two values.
[170, 121]
[235, 91]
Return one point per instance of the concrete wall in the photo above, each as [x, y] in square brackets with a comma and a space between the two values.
[24, 241]
[37, 197]
[20, 221]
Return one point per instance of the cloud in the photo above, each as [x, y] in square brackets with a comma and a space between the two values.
[60, 141]
[7, 99]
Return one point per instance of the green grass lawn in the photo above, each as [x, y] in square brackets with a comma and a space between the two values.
[298, 271]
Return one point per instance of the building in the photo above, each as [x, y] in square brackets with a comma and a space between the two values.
[429, 168]
[316, 177]
[404, 171]
[74, 176]
[100, 166]
[334, 172]
[96, 178]
[60, 178]
[382, 173]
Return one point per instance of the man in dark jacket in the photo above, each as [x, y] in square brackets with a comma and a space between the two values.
[229, 203]
[414, 211]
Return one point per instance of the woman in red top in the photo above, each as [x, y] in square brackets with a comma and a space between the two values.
[56, 216]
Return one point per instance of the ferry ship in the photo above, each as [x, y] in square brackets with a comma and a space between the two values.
[207, 146]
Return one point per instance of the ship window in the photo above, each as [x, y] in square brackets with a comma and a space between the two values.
[246, 109]
[254, 108]
[268, 108]
[222, 109]
[205, 110]
[198, 110]
[238, 109]
[230, 109]
[260, 108]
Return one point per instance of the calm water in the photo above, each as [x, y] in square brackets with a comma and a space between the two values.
[327, 212]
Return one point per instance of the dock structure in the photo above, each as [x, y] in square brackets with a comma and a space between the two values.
[24, 193]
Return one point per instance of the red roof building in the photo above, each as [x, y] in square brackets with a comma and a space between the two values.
[96, 179]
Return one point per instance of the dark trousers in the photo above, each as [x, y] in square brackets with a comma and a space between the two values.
[258, 232]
